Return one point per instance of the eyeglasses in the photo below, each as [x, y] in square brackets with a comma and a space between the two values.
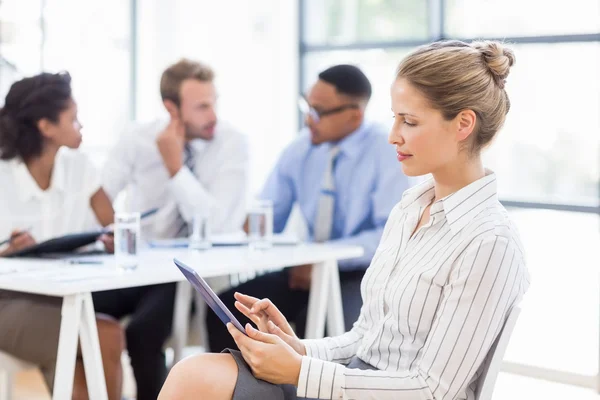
[316, 115]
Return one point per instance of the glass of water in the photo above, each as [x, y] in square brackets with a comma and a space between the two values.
[127, 237]
[260, 225]
[200, 234]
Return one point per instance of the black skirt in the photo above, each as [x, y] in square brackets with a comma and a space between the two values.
[248, 387]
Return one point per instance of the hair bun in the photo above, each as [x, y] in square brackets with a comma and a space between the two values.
[498, 59]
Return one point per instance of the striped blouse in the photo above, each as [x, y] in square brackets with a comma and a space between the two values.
[433, 303]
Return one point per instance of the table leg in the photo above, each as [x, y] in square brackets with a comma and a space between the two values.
[335, 305]
[318, 299]
[67, 347]
[90, 350]
[181, 317]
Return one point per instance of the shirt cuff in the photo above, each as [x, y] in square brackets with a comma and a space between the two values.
[320, 379]
[189, 193]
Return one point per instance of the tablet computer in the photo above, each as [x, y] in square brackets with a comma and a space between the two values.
[69, 243]
[209, 295]
[63, 244]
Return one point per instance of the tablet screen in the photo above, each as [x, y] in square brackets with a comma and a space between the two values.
[209, 296]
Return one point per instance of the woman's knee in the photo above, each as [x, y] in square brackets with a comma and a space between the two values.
[202, 376]
[111, 336]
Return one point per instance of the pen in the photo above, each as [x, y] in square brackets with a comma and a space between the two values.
[148, 213]
[81, 262]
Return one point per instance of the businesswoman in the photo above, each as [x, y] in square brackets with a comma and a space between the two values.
[447, 272]
[48, 190]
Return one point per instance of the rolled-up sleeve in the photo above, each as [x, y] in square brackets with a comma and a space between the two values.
[224, 199]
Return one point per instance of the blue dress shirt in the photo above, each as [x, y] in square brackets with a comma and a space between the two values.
[368, 181]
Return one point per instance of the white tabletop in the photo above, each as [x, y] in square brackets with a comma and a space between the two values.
[59, 278]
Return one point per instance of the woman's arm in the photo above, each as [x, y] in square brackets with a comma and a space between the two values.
[102, 207]
[487, 281]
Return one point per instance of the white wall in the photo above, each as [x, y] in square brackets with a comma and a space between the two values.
[253, 47]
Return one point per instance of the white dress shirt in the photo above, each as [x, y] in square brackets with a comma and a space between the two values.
[61, 209]
[216, 185]
[433, 303]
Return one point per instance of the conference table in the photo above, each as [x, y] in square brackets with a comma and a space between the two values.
[75, 279]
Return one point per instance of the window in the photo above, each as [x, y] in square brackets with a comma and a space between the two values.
[501, 18]
[20, 41]
[343, 21]
[92, 42]
[548, 149]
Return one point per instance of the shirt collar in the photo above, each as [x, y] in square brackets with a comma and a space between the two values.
[352, 144]
[198, 145]
[28, 188]
[459, 208]
[420, 194]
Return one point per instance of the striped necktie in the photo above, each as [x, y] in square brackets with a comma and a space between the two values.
[324, 219]
[189, 161]
[188, 157]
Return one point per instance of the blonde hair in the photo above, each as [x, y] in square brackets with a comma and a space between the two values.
[173, 77]
[456, 76]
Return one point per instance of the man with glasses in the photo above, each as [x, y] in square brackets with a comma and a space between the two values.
[345, 178]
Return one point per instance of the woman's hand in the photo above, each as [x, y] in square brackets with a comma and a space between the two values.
[19, 240]
[269, 319]
[269, 357]
[109, 242]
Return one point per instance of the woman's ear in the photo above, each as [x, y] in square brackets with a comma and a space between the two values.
[44, 125]
[466, 121]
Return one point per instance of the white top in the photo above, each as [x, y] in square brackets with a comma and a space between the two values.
[61, 209]
[433, 303]
[59, 278]
[216, 186]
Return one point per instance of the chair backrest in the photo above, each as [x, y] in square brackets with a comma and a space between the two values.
[493, 362]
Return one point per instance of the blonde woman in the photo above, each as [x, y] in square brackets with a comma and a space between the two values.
[447, 272]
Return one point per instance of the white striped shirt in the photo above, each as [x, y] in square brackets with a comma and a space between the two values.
[433, 303]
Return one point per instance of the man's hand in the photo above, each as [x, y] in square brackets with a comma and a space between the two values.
[299, 277]
[268, 356]
[170, 144]
[18, 241]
